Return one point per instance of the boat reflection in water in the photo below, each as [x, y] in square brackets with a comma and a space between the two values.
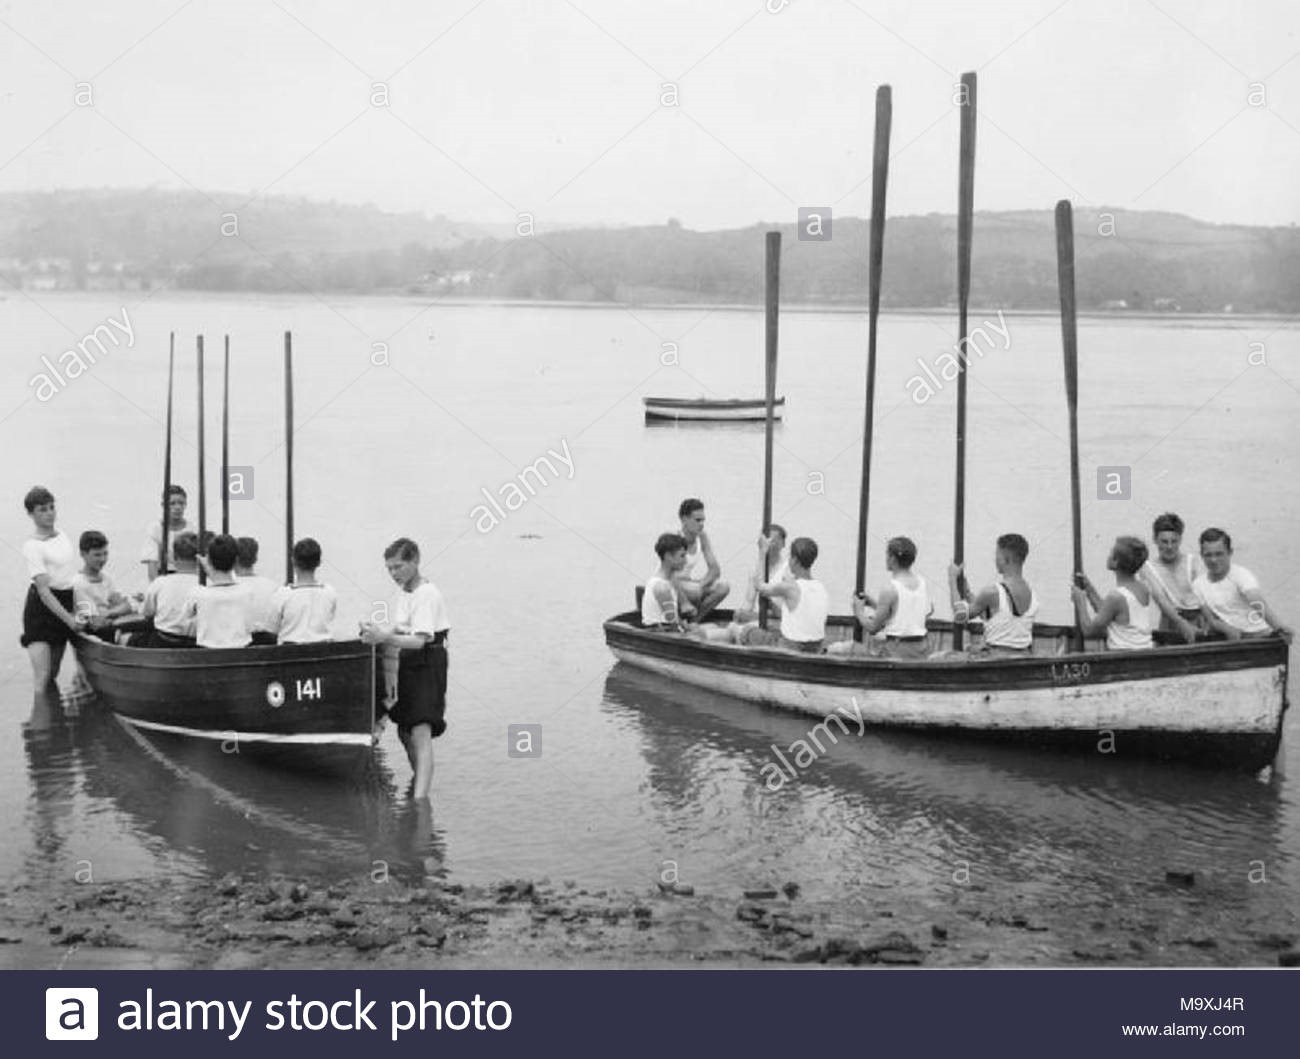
[220, 812]
[892, 808]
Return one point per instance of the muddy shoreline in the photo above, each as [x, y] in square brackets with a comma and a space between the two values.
[260, 922]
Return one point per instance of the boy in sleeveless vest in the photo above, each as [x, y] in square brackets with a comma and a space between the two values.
[773, 565]
[900, 610]
[1169, 576]
[660, 603]
[804, 604]
[1124, 615]
[1230, 597]
[1008, 606]
[700, 580]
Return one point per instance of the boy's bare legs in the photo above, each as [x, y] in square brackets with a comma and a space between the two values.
[419, 748]
[42, 668]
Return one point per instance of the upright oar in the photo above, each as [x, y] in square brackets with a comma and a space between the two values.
[163, 550]
[1070, 343]
[965, 216]
[203, 491]
[288, 458]
[225, 441]
[773, 288]
[879, 181]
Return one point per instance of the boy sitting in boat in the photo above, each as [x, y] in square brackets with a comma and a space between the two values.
[1230, 596]
[153, 536]
[166, 597]
[700, 580]
[222, 610]
[1125, 613]
[1169, 576]
[304, 611]
[95, 598]
[261, 589]
[900, 610]
[805, 604]
[661, 602]
[1008, 606]
[419, 634]
[773, 565]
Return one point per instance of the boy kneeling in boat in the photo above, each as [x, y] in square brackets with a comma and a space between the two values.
[804, 604]
[1230, 597]
[166, 597]
[1008, 606]
[661, 603]
[1125, 613]
[900, 610]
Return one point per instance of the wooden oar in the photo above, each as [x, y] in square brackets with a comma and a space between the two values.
[773, 290]
[1070, 343]
[203, 492]
[965, 216]
[163, 550]
[879, 181]
[225, 441]
[288, 458]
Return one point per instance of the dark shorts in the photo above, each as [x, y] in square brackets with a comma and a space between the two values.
[421, 689]
[159, 638]
[42, 625]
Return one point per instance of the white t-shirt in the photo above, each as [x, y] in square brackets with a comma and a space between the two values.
[222, 614]
[92, 598]
[153, 541]
[262, 591]
[1226, 599]
[54, 556]
[303, 613]
[420, 611]
[167, 598]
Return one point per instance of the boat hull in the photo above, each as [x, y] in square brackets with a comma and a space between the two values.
[713, 411]
[306, 704]
[1216, 703]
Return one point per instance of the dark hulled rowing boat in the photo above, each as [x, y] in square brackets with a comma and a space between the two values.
[708, 410]
[308, 705]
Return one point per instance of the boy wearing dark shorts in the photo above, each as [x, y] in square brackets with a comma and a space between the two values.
[418, 637]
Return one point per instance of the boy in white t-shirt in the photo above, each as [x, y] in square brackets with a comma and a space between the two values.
[1230, 597]
[304, 611]
[166, 597]
[221, 610]
[95, 598]
[418, 632]
[261, 589]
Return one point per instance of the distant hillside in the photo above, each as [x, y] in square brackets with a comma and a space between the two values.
[140, 239]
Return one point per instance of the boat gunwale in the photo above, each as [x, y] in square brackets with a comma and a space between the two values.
[181, 659]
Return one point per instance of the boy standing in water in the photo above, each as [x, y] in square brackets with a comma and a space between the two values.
[48, 620]
[418, 633]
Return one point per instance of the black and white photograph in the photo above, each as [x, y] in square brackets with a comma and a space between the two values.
[597, 484]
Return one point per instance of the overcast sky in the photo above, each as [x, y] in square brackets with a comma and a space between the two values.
[499, 107]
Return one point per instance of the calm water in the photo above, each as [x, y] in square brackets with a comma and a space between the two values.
[636, 771]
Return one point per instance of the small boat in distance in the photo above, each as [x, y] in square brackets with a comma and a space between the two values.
[702, 409]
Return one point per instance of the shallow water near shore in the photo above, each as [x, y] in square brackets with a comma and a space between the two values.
[640, 779]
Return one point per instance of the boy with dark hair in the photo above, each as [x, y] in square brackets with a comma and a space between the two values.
[48, 612]
[902, 607]
[700, 580]
[1169, 575]
[261, 589]
[96, 599]
[805, 604]
[176, 525]
[304, 611]
[418, 634]
[1230, 596]
[1124, 615]
[167, 597]
[661, 603]
[1008, 605]
[773, 565]
[221, 610]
